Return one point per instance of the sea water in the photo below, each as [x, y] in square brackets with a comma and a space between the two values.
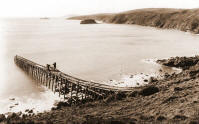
[114, 54]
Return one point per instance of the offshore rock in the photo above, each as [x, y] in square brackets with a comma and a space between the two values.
[88, 21]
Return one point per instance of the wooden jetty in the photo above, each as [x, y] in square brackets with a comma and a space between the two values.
[72, 89]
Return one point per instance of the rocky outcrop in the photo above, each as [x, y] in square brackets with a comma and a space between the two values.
[88, 21]
[180, 62]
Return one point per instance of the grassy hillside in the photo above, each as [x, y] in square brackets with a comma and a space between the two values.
[173, 99]
[181, 19]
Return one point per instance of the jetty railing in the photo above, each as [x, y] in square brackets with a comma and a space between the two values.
[72, 89]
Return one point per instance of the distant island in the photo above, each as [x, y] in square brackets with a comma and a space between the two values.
[44, 18]
[167, 18]
[88, 21]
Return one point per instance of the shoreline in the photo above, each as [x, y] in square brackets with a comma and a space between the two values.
[127, 80]
[171, 99]
[164, 18]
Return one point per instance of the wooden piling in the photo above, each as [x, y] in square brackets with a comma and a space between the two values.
[65, 84]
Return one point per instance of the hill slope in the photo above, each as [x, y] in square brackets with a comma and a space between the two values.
[181, 19]
[174, 99]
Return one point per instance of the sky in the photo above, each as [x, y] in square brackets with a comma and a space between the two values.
[57, 8]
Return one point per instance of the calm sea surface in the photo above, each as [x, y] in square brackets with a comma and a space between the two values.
[98, 52]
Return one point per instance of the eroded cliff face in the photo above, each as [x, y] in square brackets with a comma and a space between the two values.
[180, 19]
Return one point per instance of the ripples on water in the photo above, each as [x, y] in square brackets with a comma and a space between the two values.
[98, 52]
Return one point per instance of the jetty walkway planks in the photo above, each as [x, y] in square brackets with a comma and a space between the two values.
[71, 88]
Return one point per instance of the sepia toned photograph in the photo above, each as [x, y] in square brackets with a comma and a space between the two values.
[99, 62]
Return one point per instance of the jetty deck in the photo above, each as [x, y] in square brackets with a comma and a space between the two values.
[71, 88]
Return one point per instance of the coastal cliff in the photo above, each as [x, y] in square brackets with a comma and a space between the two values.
[180, 19]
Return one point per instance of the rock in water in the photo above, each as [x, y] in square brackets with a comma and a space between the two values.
[88, 21]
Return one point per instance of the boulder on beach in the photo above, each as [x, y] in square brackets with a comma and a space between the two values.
[149, 91]
[12, 99]
[88, 21]
[2, 117]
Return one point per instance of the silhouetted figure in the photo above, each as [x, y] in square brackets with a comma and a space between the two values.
[55, 65]
[48, 67]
